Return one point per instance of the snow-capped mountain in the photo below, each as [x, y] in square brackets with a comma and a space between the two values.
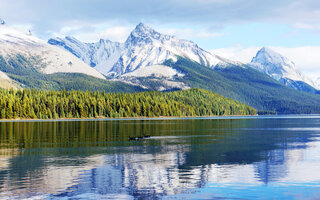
[143, 48]
[281, 68]
[146, 47]
[50, 59]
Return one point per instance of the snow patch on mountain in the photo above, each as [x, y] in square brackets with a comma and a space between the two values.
[53, 59]
[6, 82]
[153, 82]
[4, 76]
[155, 71]
[278, 67]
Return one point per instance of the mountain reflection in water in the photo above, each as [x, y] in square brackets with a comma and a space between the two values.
[194, 157]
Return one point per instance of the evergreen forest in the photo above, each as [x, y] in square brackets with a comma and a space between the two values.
[43, 104]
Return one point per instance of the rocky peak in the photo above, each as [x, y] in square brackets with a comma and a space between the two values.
[143, 34]
[266, 55]
[142, 29]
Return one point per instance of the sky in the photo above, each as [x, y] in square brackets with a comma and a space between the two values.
[232, 28]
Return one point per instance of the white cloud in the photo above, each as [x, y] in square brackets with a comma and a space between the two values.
[306, 58]
[238, 53]
[191, 33]
[90, 32]
[48, 15]
[22, 27]
[118, 34]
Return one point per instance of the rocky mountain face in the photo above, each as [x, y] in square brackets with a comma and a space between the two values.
[101, 55]
[281, 69]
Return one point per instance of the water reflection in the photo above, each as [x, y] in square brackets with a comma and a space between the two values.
[95, 159]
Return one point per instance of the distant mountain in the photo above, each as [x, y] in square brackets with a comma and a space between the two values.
[282, 69]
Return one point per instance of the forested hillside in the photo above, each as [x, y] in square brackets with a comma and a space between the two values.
[247, 86]
[40, 104]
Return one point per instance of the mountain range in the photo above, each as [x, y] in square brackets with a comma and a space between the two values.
[145, 50]
[149, 60]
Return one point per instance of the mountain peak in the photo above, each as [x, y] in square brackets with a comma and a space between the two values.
[267, 55]
[267, 51]
[142, 30]
[141, 27]
[143, 34]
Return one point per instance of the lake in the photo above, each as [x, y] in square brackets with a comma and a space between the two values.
[263, 157]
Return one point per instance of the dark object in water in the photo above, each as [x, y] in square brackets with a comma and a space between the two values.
[139, 138]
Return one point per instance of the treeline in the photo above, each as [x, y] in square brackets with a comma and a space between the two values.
[41, 104]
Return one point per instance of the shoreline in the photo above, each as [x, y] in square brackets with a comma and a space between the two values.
[121, 118]
[166, 118]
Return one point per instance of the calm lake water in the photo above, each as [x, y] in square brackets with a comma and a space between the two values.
[274, 157]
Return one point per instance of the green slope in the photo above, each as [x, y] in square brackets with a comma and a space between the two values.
[248, 86]
[22, 70]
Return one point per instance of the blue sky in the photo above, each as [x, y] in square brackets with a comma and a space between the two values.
[223, 23]
[213, 24]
